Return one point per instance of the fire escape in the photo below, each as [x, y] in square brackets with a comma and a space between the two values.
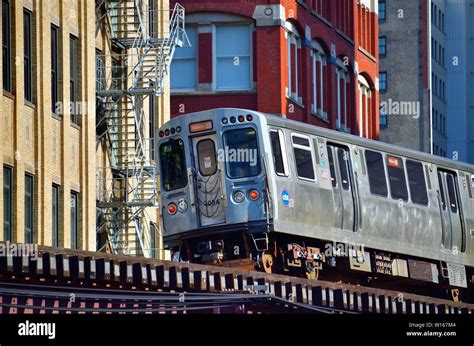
[147, 38]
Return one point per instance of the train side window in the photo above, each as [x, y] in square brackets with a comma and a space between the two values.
[396, 178]
[207, 157]
[303, 157]
[441, 191]
[376, 171]
[173, 165]
[279, 154]
[470, 183]
[343, 159]
[451, 193]
[331, 167]
[417, 183]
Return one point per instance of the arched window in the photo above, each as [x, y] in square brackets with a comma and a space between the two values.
[343, 81]
[293, 49]
[318, 58]
[365, 96]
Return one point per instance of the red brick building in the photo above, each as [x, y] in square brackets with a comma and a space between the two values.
[309, 60]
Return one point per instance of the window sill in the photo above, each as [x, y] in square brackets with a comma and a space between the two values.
[57, 117]
[75, 126]
[321, 18]
[295, 101]
[321, 116]
[370, 56]
[343, 129]
[212, 92]
[9, 95]
[30, 104]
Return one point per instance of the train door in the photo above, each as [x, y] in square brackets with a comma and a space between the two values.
[208, 181]
[341, 176]
[450, 211]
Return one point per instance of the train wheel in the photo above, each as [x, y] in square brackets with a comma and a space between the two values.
[266, 263]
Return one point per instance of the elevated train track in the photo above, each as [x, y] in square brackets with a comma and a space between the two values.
[67, 281]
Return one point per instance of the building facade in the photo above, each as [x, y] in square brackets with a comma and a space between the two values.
[76, 114]
[460, 79]
[312, 61]
[412, 46]
[48, 147]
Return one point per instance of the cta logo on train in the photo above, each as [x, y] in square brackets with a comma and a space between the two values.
[249, 190]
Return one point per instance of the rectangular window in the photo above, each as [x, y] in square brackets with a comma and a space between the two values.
[343, 161]
[184, 64]
[233, 52]
[7, 203]
[382, 45]
[303, 157]
[383, 81]
[417, 183]
[279, 154]
[73, 78]
[173, 165]
[383, 117]
[153, 233]
[453, 202]
[331, 166]
[207, 160]
[27, 55]
[382, 10]
[396, 178]
[74, 221]
[441, 191]
[243, 142]
[151, 126]
[54, 69]
[100, 70]
[376, 171]
[55, 215]
[6, 46]
[29, 209]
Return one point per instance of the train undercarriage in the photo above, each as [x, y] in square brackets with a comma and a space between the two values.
[330, 261]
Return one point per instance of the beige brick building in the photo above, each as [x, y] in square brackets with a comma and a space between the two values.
[55, 160]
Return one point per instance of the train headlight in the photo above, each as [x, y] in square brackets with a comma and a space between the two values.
[239, 196]
[182, 206]
[253, 194]
[172, 208]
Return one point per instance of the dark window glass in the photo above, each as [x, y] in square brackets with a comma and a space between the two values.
[243, 143]
[382, 45]
[29, 209]
[301, 141]
[54, 70]
[173, 165]
[151, 125]
[6, 46]
[27, 50]
[375, 168]
[55, 215]
[383, 117]
[452, 193]
[382, 10]
[441, 191]
[153, 239]
[396, 178]
[303, 157]
[416, 179]
[100, 70]
[343, 158]
[73, 81]
[207, 157]
[277, 153]
[383, 81]
[74, 220]
[7, 203]
[331, 167]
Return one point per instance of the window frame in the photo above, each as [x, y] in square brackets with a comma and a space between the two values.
[28, 54]
[342, 74]
[383, 80]
[55, 193]
[284, 154]
[183, 157]
[74, 229]
[215, 58]
[54, 68]
[29, 211]
[7, 57]
[382, 161]
[195, 59]
[408, 162]
[384, 10]
[293, 37]
[198, 152]
[384, 39]
[224, 140]
[318, 55]
[303, 147]
[74, 73]
[8, 185]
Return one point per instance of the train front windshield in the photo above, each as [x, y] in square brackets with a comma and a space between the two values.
[242, 156]
[173, 165]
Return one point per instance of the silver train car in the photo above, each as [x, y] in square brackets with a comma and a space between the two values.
[245, 189]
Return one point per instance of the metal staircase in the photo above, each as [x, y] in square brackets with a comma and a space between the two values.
[148, 38]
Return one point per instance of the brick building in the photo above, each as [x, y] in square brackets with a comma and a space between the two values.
[314, 61]
[57, 159]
